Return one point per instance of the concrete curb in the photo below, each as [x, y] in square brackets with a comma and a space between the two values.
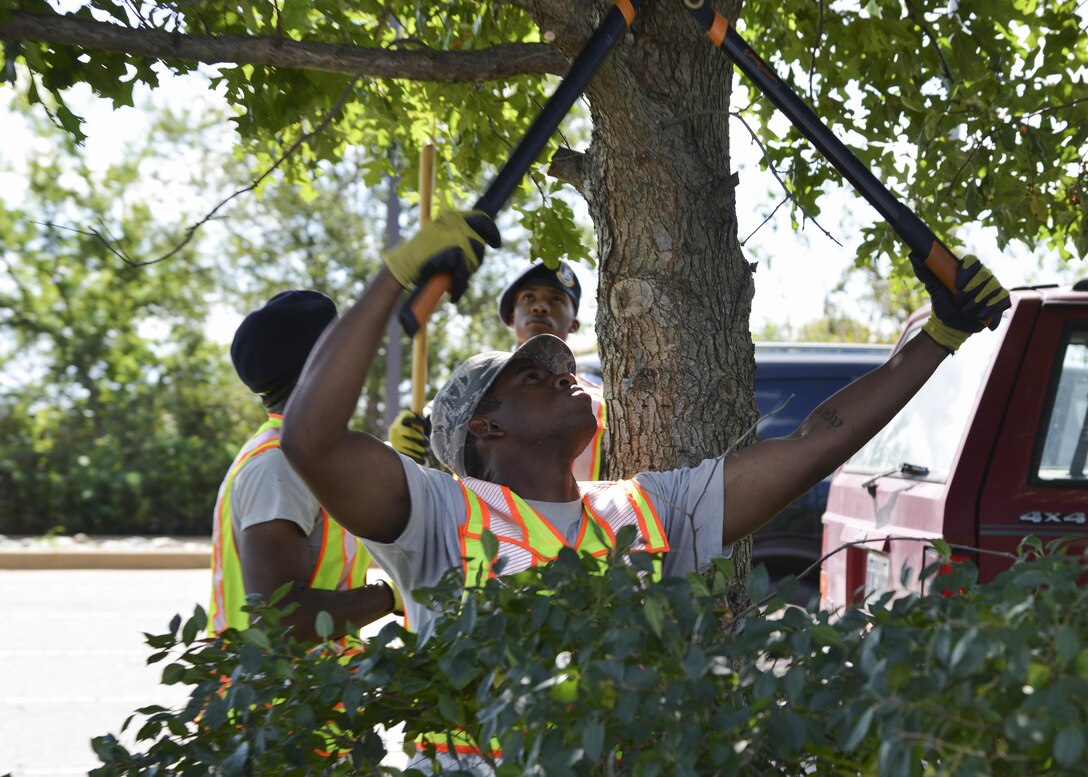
[29, 553]
[47, 560]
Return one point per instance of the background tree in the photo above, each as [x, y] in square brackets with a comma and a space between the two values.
[968, 110]
[119, 412]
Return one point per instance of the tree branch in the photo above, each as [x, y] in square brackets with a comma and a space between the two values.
[946, 69]
[494, 63]
[569, 165]
[113, 246]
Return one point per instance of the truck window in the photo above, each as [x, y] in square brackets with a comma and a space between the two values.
[928, 430]
[1065, 445]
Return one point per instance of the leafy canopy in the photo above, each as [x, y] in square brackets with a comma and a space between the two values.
[969, 110]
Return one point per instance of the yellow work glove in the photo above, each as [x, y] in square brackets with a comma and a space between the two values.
[452, 243]
[979, 297]
[410, 435]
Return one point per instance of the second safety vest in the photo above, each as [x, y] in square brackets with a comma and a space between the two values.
[587, 465]
[341, 564]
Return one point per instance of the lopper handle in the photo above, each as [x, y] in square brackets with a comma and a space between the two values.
[422, 302]
[944, 264]
[905, 222]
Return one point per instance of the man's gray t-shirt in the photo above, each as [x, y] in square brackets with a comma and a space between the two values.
[267, 489]
[689, 502]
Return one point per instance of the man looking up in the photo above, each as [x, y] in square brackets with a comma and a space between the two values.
[541, 300]
[510, 425]
[268, 528]
[544, 301]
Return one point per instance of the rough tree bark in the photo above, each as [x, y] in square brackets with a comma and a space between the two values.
[675, 290]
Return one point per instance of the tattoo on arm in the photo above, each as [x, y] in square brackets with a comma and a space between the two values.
[828, 414]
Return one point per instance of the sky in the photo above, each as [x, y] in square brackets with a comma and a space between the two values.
[796, 271]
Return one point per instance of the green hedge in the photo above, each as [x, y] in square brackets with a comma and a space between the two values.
[583, 667]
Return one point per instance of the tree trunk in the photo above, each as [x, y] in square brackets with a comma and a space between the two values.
[675, 292]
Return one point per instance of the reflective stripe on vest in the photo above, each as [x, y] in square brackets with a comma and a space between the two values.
[588, 465]
[462, 744]
[341, 564]
[527, 539]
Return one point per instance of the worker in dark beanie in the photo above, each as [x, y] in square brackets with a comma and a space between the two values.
[271, 344]
[268, 528]
[542, 300]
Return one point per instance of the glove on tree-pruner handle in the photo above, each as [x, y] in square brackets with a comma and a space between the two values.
[425, 298]
[904, 222]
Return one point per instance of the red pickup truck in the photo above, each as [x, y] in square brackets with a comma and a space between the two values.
[992, 449]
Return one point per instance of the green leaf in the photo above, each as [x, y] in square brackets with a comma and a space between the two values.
[1080, 664]
[12, 49]
[1067, 645]
[593, 740]
[944, 550]
[913, 104]
[172, 674]
[192, 628]
[257, 637]
[1069, 746]
[490, 544]
[294, 14]
[655, 616]
[860, 729]
[323, 625]
[236, 762]
[758, 583]
[824, 634]
[449, 708]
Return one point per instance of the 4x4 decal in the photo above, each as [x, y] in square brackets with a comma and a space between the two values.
[1046, 516]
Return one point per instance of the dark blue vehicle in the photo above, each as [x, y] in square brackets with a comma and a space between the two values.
[805, 374]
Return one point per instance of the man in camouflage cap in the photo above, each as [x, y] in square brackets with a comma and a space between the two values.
[541, 300]
[458, 401]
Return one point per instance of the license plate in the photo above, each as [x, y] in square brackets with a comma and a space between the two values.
[878, 568]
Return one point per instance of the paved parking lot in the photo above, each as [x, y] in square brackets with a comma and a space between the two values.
[72, 658]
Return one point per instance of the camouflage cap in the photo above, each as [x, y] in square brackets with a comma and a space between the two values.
[456, 401]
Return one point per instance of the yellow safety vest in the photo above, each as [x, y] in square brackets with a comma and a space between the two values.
[526, 539]
[342, 561]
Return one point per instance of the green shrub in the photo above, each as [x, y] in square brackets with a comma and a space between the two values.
[584, 667]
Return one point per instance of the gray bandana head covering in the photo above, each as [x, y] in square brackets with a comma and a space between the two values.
[456, 402]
